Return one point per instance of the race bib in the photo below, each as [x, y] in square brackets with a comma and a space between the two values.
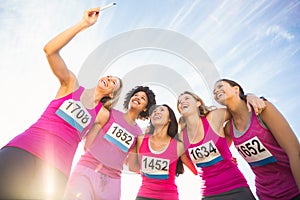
[75, 114]
[120, 137]
[156, 168]
[205, 155]
[255, 153]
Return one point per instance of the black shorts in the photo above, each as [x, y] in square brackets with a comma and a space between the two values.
[144, 198]
[25, 176]
[296, 197]
[243, 193]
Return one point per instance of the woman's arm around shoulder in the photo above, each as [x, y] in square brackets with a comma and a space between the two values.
[219, 116]
[217, 119]
[133, 157]
[256, 103]
[227, 133]
[285, 137]
[181, 151]
[101, 120]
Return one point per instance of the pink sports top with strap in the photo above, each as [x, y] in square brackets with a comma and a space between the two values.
[55, 136]
[268, 161]
[158, 170]
[111, 146]
[214, 160]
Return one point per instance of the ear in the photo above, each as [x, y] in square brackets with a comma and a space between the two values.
[198, 103]
[236, 89]
[111, 95]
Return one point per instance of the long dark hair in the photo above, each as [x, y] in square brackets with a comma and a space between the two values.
[172, 132]
[173, 126]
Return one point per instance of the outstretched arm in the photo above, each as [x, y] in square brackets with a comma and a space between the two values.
[285, 137]
[67, 79]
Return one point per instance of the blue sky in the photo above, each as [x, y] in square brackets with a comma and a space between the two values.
[256, 43]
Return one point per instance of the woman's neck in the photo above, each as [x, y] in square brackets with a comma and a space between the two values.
[192, 121]
[237, 107]
[160, 138]
[131, 117]
[90, 99]
[240, 114]
[194, 128]
[161, 131]
[96, 94]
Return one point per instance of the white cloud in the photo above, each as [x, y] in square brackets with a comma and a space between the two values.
[279, 32]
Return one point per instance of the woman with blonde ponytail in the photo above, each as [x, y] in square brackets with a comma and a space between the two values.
[207, 147]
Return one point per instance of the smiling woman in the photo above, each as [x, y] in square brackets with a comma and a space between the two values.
[208, 148]
[160, 156]
[97, 175]
[36, 164]
[260, 50]
[265, 141]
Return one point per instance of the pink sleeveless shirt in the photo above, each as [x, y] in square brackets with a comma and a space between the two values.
[268, 161]
[111, 146]
[55, 136]
[158, 170]
[213, 156]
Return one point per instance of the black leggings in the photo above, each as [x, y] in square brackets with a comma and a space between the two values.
[144, 198]
[24, 176]
[296, 197]
[242, 193]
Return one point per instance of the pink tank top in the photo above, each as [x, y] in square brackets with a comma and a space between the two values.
[213, 156]
[111, 145]
[268, 161]
[158, 170]
[55, 136]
